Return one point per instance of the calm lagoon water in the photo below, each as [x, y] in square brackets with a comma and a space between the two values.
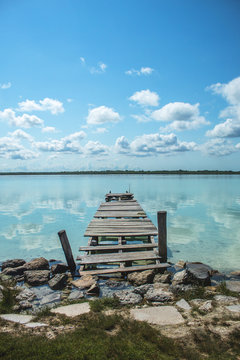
[203, 213]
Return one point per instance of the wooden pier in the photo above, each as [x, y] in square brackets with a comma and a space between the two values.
[121, 238]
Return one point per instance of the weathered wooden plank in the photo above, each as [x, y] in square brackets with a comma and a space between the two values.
[120, 208]
[126, 269]
[120, 214]
[117, 247]
[119, 233]
[121, 222]
[116, 257]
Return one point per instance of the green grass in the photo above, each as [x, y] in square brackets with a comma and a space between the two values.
[222, 289]
[104, 304]
[8, 301]
[100, 337]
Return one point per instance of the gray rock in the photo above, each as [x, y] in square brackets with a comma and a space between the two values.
[16, 318]
[84, 282]
[37, 264]
[58, 281]
[183, 304]
[73, 310]
[75, 295]
[181, 288]
[233, 308]
[158, 295]
[35, 325]
[93, 290]
[127, 297]
[59, 268]
[141, 290]
[17, 271]
[42, 291]
[36, 277]
[233, 286]
[158, 315]
[26, 294]
[162, 278]
[198, 273]
[50, 299]
[180, 277]
[13, 263]
[24, 305]
[225, 300]
[235, 273]
[206, 306]
[141, 277]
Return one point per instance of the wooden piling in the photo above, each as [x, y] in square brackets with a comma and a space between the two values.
[162, 235]
[67, 250]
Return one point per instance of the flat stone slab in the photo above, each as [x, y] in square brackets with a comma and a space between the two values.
[72, 310]
[233, 286]
[233, 308]
[183, 304]
[34, 324]
[158, 315]
[16, 318]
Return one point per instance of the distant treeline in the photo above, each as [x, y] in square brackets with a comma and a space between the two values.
[126, 172]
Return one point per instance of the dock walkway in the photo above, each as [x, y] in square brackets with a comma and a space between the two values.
[121, 239]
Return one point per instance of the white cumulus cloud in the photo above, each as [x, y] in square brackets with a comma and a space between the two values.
[101, 115]
[229, 128]
[48, 129]
[145, 98]
[24, 121]
[70, 143]
[142, 71]
[96, 148]
[218, 147]
[47, 104]
[5, 86]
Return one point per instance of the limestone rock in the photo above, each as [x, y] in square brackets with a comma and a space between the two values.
[36, 277]
[162, 278]
[85, 282]
[75, 295]
[73, 310]
[158, 295]
[24, 305]
[180, 277]
[183, 304]
[225, 300]
[141, 290]
[206, 306]
[58, 281]
[127, 297]
[59, 268]
[159, 315]
[49, 299]
[233, 286]
[35, 324]
[26, 294]
[198, 273]
[13, 263]
[93, 290]
[141, 277]
[37, 264]
[235, 273]
[233, 308]
[16, 318]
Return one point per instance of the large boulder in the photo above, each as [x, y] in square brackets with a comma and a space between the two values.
[85, 282]
[127, 297]
[36, 277]
[58, 281]
[59, 268]
[142, 277]
[16, 271]
[158, 295]
[37, 264]
[13, 263]
[199, 274]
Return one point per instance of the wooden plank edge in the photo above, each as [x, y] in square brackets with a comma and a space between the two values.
[125, 269]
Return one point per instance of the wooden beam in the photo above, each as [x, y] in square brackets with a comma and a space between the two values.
[116, 257]
[162, 235]
[125, 269]
[67, 250]
[118, 247]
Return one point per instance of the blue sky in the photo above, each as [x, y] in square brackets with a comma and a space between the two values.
[88, 85]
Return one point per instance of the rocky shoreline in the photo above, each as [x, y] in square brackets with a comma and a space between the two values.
[41, 283]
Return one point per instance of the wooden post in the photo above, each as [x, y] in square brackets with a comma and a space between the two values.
[162, 235]
[67, 250]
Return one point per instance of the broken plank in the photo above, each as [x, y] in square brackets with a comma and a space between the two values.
[126, 269]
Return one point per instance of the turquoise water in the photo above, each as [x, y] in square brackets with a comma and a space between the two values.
[203, 213]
